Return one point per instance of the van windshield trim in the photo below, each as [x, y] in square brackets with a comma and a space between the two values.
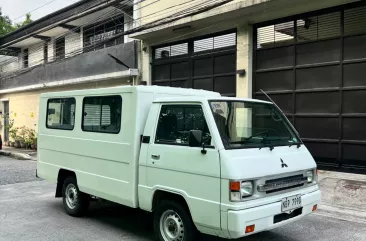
[285, 120]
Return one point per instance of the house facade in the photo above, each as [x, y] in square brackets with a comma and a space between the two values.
[78, 47]
[308, 55]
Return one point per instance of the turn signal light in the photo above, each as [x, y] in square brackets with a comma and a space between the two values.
[250, 229]
[234, 186]
[315, 207]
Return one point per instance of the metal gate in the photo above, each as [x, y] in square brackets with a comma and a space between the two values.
[313, 66]
[207, 63]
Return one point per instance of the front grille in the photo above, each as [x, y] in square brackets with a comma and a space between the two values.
[284, 216]
[281, 184]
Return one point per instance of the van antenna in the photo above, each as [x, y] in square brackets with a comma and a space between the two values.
[278, 108]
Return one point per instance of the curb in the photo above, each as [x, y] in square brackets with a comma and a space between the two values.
[342, 213]
[16, 155]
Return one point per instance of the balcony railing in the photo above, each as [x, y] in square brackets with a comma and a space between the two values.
[93, 65]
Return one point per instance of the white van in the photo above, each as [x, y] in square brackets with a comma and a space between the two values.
[222, 166]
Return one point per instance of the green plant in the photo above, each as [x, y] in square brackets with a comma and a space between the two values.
[23, 131]
[30, 137]
[10, 123]
[13, 133]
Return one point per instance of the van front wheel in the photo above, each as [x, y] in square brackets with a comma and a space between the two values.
[75, 202]
[172, 222]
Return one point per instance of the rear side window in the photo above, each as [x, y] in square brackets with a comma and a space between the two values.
[61, 113]
[102, 114]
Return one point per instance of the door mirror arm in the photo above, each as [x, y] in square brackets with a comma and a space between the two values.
[203, 151]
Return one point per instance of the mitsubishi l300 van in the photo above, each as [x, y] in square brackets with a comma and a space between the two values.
[198, 161]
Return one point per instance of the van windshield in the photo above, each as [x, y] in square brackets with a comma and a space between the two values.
[250, 125]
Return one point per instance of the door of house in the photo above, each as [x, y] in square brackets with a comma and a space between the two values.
[6, 120]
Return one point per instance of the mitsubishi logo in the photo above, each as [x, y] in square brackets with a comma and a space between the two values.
[283, 164]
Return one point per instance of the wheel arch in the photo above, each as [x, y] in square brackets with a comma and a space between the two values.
[61, 177]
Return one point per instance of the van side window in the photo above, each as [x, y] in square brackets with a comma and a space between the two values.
[61, 114]
[102, 114]
[175, 122]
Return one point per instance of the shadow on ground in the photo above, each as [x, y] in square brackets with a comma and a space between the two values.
[137, 223]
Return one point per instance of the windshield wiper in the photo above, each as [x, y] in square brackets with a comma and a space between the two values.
[268, 142]
[298, 144]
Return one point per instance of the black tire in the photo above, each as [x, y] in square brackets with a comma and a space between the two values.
[189, 229]
[81, 202]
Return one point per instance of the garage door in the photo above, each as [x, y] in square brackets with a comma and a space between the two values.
[207, 63]
[313, 66]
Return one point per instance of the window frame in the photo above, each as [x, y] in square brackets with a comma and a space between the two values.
[101, 96]
[181, 105]
[64, 98]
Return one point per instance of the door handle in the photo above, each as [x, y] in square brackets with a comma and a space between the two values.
[156, 157]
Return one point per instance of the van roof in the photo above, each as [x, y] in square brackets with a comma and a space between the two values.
[206, 98]
[132, 89]
[182, 94]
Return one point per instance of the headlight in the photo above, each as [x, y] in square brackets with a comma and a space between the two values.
[246, 189]
[310, 175]
[240, 190]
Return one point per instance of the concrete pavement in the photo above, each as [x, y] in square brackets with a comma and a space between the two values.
[19, 153]
[29, 211]
[15, 171]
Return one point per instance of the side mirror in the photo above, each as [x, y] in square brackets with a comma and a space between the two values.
[195, 138]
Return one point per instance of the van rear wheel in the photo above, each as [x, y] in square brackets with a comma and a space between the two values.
[172, 222]
[75, 202]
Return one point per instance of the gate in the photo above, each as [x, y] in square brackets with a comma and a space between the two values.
[207, 63]
[313, 66]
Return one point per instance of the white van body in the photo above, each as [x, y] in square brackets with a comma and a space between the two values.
[133, 167]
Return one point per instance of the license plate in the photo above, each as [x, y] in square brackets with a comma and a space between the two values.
[291, 203]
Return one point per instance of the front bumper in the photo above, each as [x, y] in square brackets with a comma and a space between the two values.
[263, 216]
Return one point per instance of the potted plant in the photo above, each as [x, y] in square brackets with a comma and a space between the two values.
[13, 133]
[22, 136]
[17, 142]
[34, 144]
[29, 137]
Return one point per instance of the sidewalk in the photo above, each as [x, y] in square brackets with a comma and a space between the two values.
[19, 153]
[343, 196]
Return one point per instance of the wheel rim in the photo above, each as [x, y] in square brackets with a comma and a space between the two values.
[71, 195]
[171, 226]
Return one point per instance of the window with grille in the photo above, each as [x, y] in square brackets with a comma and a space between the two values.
[216, 42]
[102, 114]
[61, 114]
[26, 58]
[60, 48]
[98, 36]
[311, 28]
[171, 51]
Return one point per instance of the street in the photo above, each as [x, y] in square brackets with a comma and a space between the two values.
[29, 211]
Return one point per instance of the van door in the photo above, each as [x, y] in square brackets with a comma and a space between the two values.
[175, 167]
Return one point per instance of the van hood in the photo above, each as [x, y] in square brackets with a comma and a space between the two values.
[253, 163]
